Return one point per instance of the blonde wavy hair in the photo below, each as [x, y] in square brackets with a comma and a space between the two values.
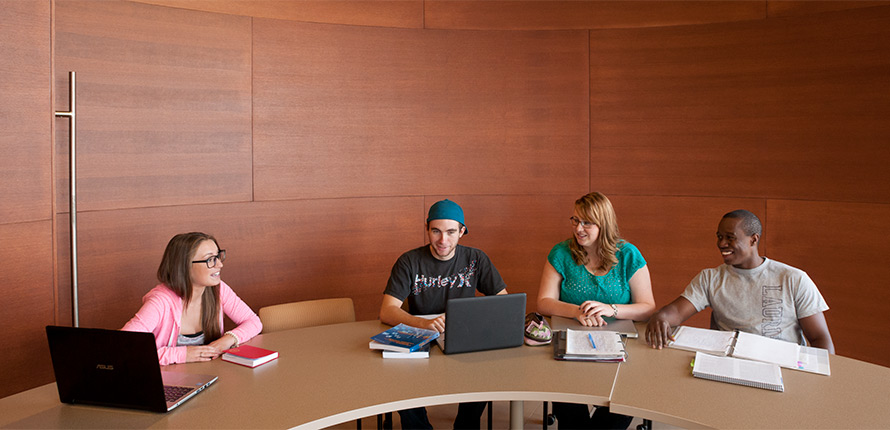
[597, 208]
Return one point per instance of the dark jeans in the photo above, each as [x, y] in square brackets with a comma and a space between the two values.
[468, 415]
[576, 416]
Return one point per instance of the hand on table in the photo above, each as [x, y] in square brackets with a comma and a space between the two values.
[591, 313]
[437, 323]
[658, 332]
[202, 353]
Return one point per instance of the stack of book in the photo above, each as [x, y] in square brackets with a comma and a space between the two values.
[403, 341]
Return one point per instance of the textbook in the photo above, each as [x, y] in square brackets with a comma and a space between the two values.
[584, 345]
[403, 338]
[752, 347]
[423, 352]
[250, 356]
[756, 374]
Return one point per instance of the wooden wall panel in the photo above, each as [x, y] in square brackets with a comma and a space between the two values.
[27, 298]
[677, 237]
[25, 112]
[561, 15]
[841, 246]
[777, 8]
[379, 13]
[350, 111]
[163, 104]
[277, 251]
[781, 108]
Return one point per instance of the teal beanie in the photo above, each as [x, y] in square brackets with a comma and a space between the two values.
[446, 209]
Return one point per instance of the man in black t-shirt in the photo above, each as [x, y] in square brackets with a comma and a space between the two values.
[430, 275]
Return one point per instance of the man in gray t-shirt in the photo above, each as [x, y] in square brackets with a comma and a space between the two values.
[749, 293]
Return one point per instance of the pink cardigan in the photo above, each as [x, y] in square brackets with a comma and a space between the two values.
[161, 313]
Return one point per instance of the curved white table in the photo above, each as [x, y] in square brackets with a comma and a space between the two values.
[328, 375]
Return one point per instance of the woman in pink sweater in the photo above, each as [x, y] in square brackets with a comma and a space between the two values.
[185, 311]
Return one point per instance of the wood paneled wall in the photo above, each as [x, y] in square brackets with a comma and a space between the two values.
[26, 228]
[166, 114]
[376, 13]
[755, 109]
[560, 15]
[312, 149]
[25, 127]
[414, 112]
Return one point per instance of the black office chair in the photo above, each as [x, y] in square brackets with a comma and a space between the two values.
[550, 419]
[385, 422]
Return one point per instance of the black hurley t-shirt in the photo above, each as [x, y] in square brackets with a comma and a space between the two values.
[427, 283]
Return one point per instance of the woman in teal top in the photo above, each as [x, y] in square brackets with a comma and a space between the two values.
[592, 276]
[579, 285]
[595, 274]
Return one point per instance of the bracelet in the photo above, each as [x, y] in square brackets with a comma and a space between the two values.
[237, 341]
[614, 311]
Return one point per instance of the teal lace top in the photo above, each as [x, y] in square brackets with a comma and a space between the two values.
[579, 285]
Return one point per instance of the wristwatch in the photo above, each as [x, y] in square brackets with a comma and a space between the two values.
[614, 311]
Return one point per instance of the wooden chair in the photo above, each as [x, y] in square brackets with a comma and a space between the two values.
[307, 314]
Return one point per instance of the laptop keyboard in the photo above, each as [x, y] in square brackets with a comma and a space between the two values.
[174, 393]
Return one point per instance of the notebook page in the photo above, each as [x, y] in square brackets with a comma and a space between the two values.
[607, 342]
[702, 339]
[812, 359]
[760, 348]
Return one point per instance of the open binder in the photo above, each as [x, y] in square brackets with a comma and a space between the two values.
[750, 346]
[578, 345]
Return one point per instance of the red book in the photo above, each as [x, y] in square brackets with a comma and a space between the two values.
[250, 356]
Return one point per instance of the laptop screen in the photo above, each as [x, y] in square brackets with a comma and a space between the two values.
[108, 368]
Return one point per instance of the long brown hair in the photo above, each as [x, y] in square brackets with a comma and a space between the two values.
[597, 208]
[175, 273]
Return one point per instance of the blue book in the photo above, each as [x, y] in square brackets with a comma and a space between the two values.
[403, 338]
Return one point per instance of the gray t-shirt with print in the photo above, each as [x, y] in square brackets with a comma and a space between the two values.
[767, 300]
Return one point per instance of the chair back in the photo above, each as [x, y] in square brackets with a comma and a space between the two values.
[307, 314]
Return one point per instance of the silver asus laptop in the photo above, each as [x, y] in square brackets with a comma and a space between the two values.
[118, 369]
[623, 327]
[481, 323]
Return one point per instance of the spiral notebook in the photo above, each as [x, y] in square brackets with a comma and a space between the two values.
[750, 373]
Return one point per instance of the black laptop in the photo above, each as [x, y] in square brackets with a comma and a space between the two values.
[481, 323]
[118, 369]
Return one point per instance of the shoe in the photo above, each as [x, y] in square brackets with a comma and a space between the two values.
[537, 331]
